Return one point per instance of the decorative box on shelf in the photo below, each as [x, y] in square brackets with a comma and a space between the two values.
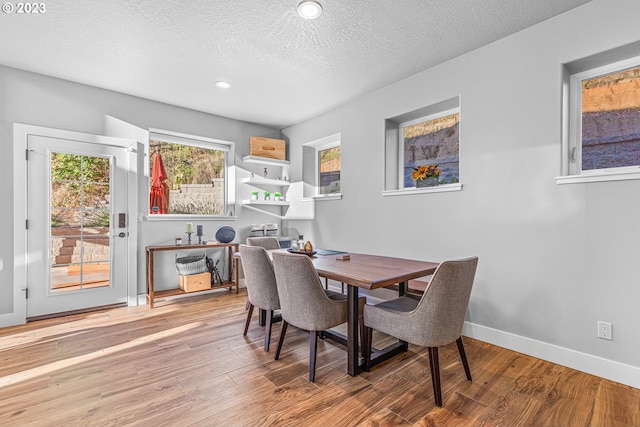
[268, 147]
[195, 282]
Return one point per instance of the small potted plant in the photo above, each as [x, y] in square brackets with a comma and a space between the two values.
[254, 195]
[426, 175]
[267, 195]
[278, 196]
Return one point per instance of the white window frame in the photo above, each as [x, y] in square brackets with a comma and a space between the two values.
[572, 154]
[202, 142]
[401, 127]
[319, 145]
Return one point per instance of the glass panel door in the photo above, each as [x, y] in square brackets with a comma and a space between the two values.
[76, 250]
[80, 222]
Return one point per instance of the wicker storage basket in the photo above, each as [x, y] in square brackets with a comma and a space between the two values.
[191, 264]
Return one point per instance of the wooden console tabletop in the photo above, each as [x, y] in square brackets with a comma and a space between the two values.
[152, 295]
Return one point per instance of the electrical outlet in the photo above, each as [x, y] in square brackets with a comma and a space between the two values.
[604, 330]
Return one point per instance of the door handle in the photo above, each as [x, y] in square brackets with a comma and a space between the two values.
[121, 234]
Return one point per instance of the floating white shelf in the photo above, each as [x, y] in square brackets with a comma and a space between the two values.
[266, 181]
[265, 161]
[265, 202]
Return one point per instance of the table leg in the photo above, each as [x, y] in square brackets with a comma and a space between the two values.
[236, 270]
[353, 365]
[147, 274]
[402, 288]
[151, 278]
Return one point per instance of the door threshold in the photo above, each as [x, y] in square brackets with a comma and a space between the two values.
[73, 312]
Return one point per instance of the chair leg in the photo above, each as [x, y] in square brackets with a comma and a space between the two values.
[342, 284]
[434, 363]
[463, 356]
[283, 330]
[267, 332]
[326, 283]
[249, 314]
[313, 349]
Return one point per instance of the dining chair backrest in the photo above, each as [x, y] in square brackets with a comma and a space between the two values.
[265, 242]
[260, 277]
[442, 309]
[303, 301]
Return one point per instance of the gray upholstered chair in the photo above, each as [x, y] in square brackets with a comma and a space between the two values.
[268, 243]
[434, 320]
[265, 242]
[305, 304]
[261, 286]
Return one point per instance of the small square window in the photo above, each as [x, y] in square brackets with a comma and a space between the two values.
[422, 150]
[430, 150]
[605, 119]
[329, 171]
[322, 166]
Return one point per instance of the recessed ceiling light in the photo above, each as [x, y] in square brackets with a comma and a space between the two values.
[222, 84]
[309, 9]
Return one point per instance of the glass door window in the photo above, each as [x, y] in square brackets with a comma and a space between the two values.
[80, 198]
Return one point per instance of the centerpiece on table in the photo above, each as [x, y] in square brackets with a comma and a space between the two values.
[426, 175]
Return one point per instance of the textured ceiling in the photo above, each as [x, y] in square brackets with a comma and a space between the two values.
[284, 69]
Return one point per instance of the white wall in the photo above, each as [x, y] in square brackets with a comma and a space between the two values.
[45, 101]
[554, 259]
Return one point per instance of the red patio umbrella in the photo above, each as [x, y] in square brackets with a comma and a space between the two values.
[159, 192]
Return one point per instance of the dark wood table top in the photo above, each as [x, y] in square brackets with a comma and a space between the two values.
[368, 271]
[372, 271]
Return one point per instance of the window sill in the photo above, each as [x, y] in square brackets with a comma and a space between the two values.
[323, 197]
[437, 189]
[598, 177]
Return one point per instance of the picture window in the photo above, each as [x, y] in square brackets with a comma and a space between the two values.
[192, 179]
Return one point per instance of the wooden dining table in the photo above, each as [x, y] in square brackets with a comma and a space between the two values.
[369, 272]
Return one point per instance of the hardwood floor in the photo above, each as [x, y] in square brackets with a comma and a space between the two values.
[186, 363]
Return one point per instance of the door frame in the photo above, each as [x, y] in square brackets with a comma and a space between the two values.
[21, 132]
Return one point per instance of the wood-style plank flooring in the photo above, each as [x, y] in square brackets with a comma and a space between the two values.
[186, 363]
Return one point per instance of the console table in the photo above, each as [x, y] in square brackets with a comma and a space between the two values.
[152, 295]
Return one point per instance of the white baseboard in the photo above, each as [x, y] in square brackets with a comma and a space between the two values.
[594, 365]
[9, 319]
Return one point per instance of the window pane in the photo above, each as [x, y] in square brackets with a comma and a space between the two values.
[329, 170]
[66, 167]
[95, 169]
[192, 182]
[611, 120]
[96, 196]
[433, 142]
[66, 194]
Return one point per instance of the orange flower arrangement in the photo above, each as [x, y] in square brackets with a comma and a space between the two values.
[424, 172]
